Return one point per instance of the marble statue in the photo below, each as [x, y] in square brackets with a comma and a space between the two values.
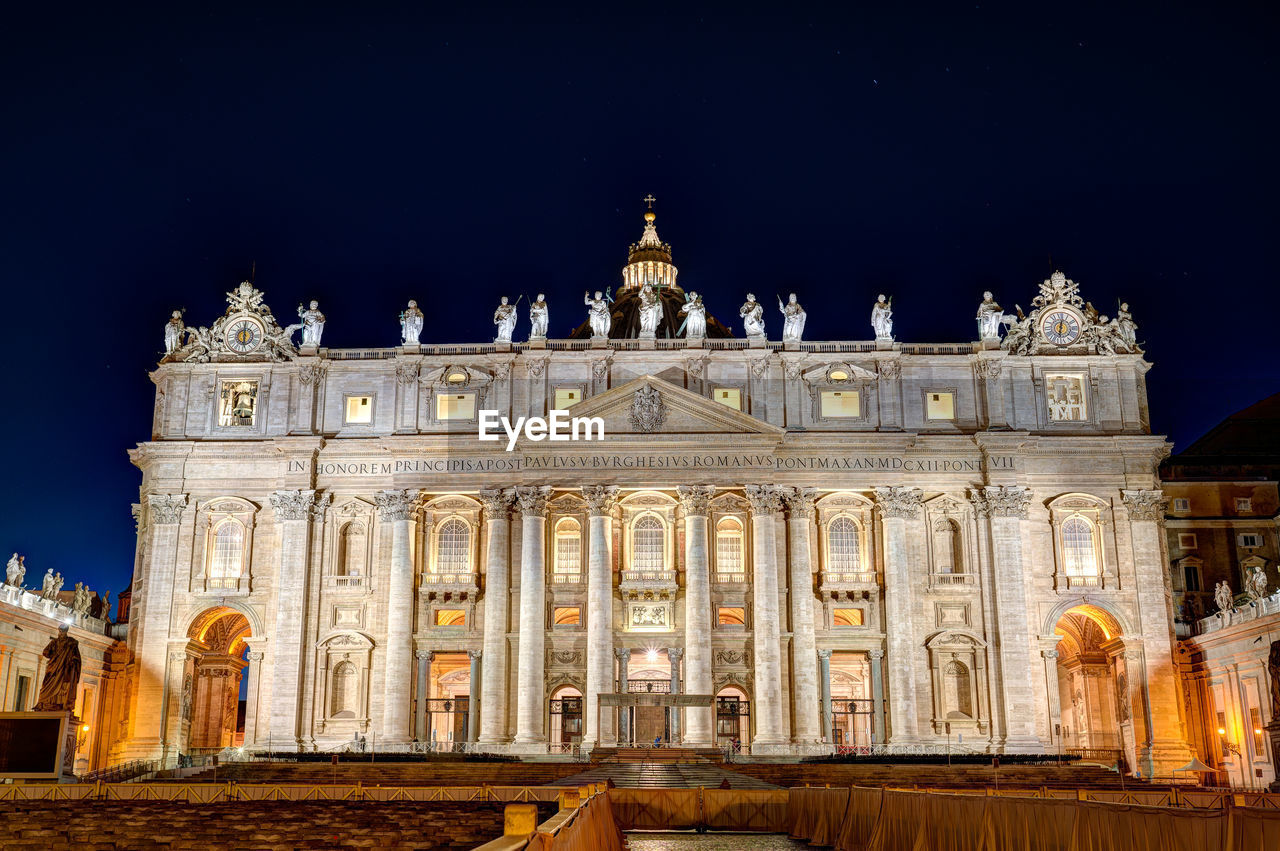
[990, 315]
[104, 606]
[61, 674]
[312, 324]
[752, 313]
[1255, 584]
[57, 584]
[411, 324]
[538, 319]
[505, 318]
[173, 333]
[793, 319]
[1223, 597]
[16, 571]
[46, 586]
[1126, 329]
[695, 316]
[598, 314]
[1273, 668]
[882, 318]
[650, 311]
[80, 599]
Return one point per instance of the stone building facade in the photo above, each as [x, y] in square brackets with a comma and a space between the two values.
[789, 547]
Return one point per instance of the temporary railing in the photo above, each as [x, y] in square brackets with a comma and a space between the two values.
[208, 793]
[119, 773]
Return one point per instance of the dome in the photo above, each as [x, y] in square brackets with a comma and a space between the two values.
[649, 260]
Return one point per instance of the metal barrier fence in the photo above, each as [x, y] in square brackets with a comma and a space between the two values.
[214, 793]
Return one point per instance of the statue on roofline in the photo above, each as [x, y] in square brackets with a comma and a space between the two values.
[538, 318]
[505, 318]
[598, 313]
[411, 324]
[312, 324]
[793, 319]
[882, 318]
[752, 313]
[695, 313]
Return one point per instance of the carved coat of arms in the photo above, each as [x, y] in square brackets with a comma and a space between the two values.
[648, 411]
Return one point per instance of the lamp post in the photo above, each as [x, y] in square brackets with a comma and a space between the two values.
[1229, 748]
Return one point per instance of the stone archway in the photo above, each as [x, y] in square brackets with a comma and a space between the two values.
[212, 708]
[1093, 697]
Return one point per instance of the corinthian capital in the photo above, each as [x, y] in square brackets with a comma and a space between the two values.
[395, 505]
[799, 501]
[1003, 501]
[496, 502]
[533, 500]
[166, 508]
[903, 503]
[695, 499]
[763, 499]
[600, 499]
[292, 505]
[1145, 505]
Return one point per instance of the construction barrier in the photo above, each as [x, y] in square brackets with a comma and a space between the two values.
[214, 793]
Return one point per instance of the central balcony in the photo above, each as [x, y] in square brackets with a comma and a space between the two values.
[450, 586]
[649, 578]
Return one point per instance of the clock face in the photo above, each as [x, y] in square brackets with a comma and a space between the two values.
[244, 336]
[1060, 327]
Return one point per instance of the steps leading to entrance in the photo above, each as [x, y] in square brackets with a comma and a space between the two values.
[664, 775]
[662, 755]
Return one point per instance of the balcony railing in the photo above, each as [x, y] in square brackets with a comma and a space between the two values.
[952, 578]
[649, 686]
[346, 581]
[449, 579]
[861, 577]
[731, 576]
[574, 578]
[1083, 581]
[223, 583]
[649, 577]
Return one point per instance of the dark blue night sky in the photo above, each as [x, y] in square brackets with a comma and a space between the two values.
[366, 155]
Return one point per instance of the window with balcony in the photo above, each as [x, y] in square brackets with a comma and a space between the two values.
[352, 546]
[227, 563]
[453, 551]
[648, 545]
[1080, 551]
[844, 550]
[568, 563]
[729, 563]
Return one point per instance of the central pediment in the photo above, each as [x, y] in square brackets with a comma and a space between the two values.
[649, 406]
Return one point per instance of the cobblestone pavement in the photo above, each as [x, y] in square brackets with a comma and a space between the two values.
[711, 842]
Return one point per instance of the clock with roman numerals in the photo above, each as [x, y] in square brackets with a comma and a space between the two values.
[244, 336]
[1061, 325]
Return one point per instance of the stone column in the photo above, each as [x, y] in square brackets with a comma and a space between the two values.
[420, 731]
[424, 671]
[897, 506]
[1165, 747]
[674, 655]
[1050, 657]
[598, 726]
[804, 676]
[624, 712]
[497, 605]
[396, 508]
[699, 723]
[531, 680]
[824, 674]
[293, 519]
[150, 629]
[474, 698]
[765, 629]
[877, 696]
[1006, 508]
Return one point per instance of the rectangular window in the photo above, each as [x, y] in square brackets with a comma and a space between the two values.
[20, 694]
[1065, 395]
[939, 406]
[1182, 504]
[1255, 729]
[359, 410]
[846, 617]
[730, 397]
[238, 404]
[451, 617]
[456, 406]
[568, 616]
[1187, 540]
[731, 616]
[1244, 504]
[1250, 541]
[840, 403]
[567, 397]
[1191, 577]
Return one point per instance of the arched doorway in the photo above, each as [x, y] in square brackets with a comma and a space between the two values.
[449, 699]
[566, 716]
[1093, 699]
[851, 709]
[649, 672]
[733, 718]
[214, 693]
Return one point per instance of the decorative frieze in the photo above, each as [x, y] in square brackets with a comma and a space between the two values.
[533, 500]
[600, 499]
[395, 505]
[166, 508]
[1145, 505]
[899, 503]
[695, 499]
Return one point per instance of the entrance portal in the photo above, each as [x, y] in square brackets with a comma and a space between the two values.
[1093, 713]
[211, 694]
[851, 707]
[449, 699]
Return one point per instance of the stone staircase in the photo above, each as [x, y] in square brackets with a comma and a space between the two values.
[662, 768]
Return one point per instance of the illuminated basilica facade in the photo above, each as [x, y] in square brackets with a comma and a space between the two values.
[787, 547]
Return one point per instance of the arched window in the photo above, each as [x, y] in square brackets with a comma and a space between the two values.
[351, 550]
[342, 691]
[453, 547]
[1079, 547]
[647, 540]
[568, 565]
[946, 547]
[729, 566]
[227, 563]
[843, 552]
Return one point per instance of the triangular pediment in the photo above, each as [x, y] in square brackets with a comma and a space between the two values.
[648, 406]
